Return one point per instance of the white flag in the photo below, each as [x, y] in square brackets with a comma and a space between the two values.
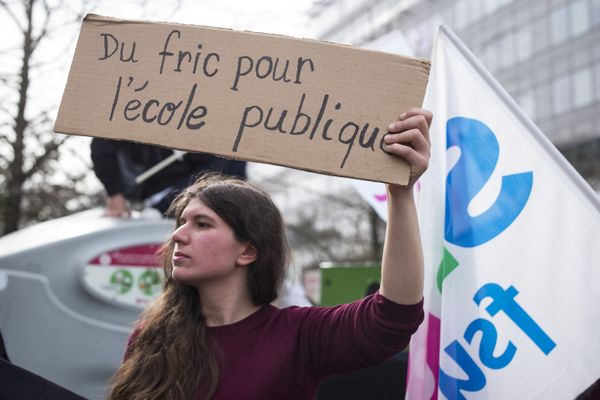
[511, 239]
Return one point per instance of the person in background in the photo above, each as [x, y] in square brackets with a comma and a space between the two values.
[117, 164]
[213, 333]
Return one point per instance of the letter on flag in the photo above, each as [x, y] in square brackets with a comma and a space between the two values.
[511, 239]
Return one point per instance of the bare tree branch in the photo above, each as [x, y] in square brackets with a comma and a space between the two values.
[4, 137]
[85, 6]
[8, 50]
[342, 200]
[44, 30]
[79, 156]
[12, 15]
[175, 8]
[49, 149]
[5, 110]
[60, 55]
[64, 52]
[5, 126]
[312, 239]
[40, 118]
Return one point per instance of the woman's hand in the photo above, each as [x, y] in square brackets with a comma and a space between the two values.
[117, 206]
[409, 139]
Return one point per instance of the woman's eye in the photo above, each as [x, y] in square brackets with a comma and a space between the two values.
[203, 225]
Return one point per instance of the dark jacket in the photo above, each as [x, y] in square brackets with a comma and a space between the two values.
[117, 163]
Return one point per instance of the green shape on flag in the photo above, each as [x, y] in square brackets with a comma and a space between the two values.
[447, 265]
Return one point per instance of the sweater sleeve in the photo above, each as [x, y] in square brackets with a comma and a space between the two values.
[361, 334]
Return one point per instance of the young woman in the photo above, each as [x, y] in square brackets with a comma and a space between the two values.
[213, 333]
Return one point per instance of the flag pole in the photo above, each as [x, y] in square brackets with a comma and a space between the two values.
[159, 166]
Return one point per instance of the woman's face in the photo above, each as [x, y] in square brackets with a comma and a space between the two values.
[205, 247]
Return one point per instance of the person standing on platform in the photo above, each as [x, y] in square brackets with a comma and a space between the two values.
[118, 163]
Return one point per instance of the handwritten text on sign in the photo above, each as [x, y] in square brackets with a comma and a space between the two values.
[299, 103]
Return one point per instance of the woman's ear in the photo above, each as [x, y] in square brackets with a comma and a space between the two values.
[248, 255]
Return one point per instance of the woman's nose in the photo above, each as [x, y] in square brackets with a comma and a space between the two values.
[179, 235]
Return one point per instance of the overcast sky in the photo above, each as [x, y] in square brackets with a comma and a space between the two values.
[269, 16]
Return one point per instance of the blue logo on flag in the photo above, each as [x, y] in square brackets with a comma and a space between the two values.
[479, 156]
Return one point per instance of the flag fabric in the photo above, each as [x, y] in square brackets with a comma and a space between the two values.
[511, 237]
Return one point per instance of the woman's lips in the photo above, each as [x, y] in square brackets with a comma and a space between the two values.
[179, 256]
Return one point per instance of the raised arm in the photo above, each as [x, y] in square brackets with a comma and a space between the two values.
[402, 262]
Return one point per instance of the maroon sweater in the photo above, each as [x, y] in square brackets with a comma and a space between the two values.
[284, 353]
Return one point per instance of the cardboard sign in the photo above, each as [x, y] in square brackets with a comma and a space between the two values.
[305, 104]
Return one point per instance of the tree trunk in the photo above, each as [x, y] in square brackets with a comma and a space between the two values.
[12, 212]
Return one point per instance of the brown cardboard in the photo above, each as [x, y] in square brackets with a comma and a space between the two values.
[231, 95]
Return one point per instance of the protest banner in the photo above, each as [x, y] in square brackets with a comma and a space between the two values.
[301, 103]
[510, 233]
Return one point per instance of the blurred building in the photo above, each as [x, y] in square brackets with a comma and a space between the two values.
[546, 54]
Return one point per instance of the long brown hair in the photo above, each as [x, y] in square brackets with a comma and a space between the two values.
[171, 355]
